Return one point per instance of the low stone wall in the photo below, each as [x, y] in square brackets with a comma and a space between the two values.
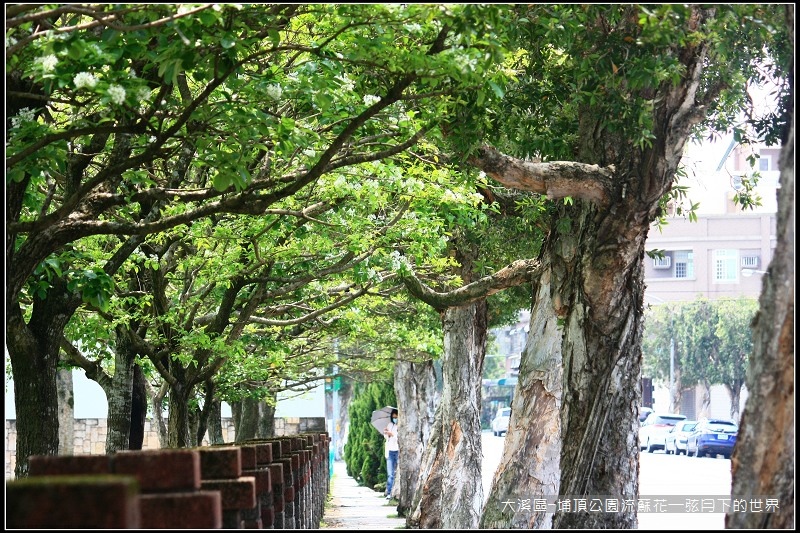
[90, 435]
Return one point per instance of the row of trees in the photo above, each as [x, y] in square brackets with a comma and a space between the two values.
[712, 343]
[214, 193]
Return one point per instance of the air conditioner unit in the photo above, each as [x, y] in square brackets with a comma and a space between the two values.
[662, 262]
[750, 261]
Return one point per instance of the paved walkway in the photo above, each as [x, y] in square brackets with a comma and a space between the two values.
[355, 507]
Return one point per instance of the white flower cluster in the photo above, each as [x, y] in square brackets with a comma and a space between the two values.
[370, 99]
[117, 94]
[25, 114]
[347, 84]
[143, 94]
[85, 80]
[399, 262]
[48, 62]
[274, 92]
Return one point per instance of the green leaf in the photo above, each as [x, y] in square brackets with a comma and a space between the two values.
[497, 89]
[221, 182]
[228, 41]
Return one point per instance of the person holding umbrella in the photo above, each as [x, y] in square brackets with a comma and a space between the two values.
[393, 451]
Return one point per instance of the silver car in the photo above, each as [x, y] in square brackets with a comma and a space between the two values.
[653, 431]
[676, 439]
[500, 421]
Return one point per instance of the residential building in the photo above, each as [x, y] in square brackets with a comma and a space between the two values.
[721, 255]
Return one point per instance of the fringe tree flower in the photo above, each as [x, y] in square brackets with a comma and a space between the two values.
[274, 92]
[117, 94]
[26, 114]
[47, 62]
[85, 80]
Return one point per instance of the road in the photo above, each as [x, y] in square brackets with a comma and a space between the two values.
[660, 476]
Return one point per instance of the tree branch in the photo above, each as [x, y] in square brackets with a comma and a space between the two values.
[517, 273]
[557, 179]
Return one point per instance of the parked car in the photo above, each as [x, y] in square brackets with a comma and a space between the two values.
[643, 413]
[653, 432]
[675, 440]
[500, 421]
[712, 436]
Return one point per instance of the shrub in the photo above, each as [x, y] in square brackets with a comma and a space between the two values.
[364, 451]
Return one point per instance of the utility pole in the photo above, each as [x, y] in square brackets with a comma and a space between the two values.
[672, 407]
[335, 396]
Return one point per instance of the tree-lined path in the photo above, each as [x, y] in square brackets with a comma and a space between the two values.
[351, 506]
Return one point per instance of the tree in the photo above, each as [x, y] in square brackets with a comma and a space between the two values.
[735, 346]
[609, 97]
[712, 344]
[763, 459]
[133, 120]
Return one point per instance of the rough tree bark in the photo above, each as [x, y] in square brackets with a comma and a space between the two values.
[138, 409]
[215, 423]
[33, 349]
[417, 397]
[465, 330]
[119, 391]
[266, 418]
[66, 412]
[533, 438]
[426, 504]
[763, 460]
[247, 422]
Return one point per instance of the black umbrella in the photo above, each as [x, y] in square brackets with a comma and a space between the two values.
[381, 417]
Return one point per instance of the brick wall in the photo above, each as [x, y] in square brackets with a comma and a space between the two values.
[90, 435]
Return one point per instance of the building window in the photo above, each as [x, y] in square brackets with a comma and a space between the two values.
[726, 265]
[750, 261]
[684, 264]
[765, 163]
[662, 262]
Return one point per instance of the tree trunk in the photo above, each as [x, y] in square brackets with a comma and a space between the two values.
[705, 400]
[764, 456]
[157, 398]
[178, 421]
[247, 427]
[415, 390]
[138, 409]
[344, 395]
[601, 358]
[465, 330]
[426, 505]
[66, 412]
[215, 423]
[120, 395]
[677, 394]
[194, 416]
[533, 437]
[266, 419]
[33, 349]
[735, 393]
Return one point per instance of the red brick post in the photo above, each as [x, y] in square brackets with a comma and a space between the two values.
[94, 501]
[221, 469]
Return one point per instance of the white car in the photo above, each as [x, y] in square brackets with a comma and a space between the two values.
[653, 432]
[500, 421]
